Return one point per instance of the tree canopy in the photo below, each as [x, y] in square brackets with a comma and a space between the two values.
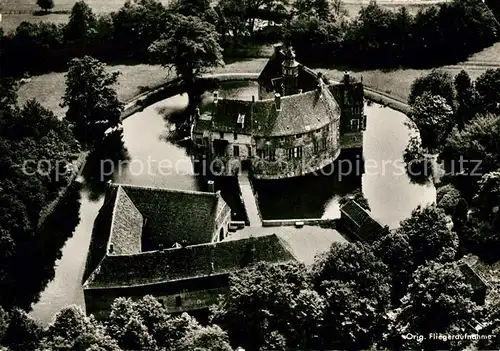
[191, 47]
[93, 105]
[439, 300]
[433, 118]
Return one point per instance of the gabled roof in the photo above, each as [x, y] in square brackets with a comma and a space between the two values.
[472, 276]
[299, 113]
[369, 229]
[188, 262]
[126, 226]
[307, 79]
[175, 215]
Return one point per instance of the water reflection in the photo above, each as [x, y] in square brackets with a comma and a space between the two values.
[155, 161]
[52, 236]
[102, 163]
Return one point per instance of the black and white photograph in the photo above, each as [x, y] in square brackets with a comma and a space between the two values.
[249, 175]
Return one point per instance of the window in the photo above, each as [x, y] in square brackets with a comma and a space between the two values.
[315, 146]
[235, 136]
[272, 155]
[178, 301]
[298, 136]
[355, 124]
[236, 151]
[222, 135]
[268, 154]
[295, 152]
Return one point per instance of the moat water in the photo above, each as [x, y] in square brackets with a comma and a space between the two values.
[156, 161]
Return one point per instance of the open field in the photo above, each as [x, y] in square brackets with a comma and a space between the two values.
[49, 88]
[397, 82]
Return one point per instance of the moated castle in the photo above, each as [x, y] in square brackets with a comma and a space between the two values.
[299, 124]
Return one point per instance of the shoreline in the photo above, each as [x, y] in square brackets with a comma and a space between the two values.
[174, 87]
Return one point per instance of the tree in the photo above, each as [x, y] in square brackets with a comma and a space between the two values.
[437, 82]
[205, 339]
[487, 199]
[271, 303]
[191, 47]
[320, 9]
[447, 198]
[466, 98]
[418, 163]
[439, 300]
[433, 118]
[127, 326]
[195, 8]
[429, 235]
[22, 333]
[81, 28]
[355, 286]
[73, 330]
[488, 90]
[475, 148]
[4, 323]
[45, 4]
[247, 12]
[396, 252]
[93, 105]
[137, 25]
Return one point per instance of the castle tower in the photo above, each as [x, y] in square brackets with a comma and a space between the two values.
[290, 72]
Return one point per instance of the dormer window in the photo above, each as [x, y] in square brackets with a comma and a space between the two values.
[241, 121]
[355, 124]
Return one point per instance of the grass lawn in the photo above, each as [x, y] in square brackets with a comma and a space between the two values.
[48, 89]
[397, 82]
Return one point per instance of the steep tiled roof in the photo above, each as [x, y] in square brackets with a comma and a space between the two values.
[175, 215]
[306, 81]
[472, 276]
[299, 113]
[369, 229]
[126, 226]
[189, 262]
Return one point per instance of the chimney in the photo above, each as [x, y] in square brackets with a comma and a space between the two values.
[211, 186]
[277, 48]
[110, 250]
[277, 101]
[216, 96]
[300, 91]
[347, 78]
[197, 113]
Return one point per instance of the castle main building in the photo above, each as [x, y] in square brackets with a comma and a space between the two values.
[299, 124]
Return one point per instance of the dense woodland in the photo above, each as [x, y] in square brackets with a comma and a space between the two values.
[354, 296]
[319, 30]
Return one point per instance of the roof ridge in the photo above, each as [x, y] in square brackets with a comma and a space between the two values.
[170, 190]
[214, 244]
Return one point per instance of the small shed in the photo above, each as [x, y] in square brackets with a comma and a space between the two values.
[358, 222]
[479, 285]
